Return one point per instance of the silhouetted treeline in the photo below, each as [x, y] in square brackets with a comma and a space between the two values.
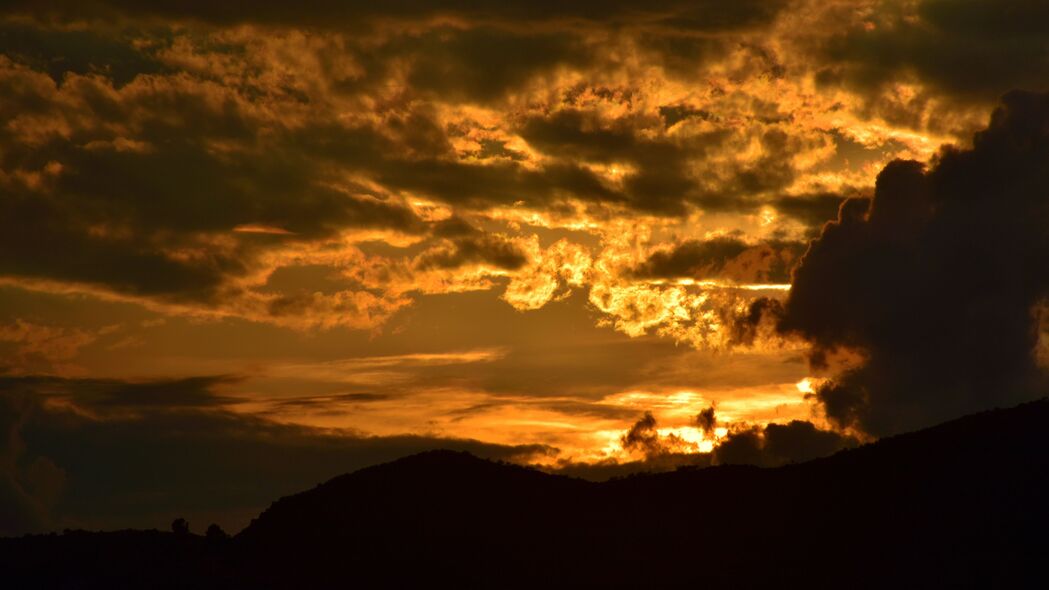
[962, 504]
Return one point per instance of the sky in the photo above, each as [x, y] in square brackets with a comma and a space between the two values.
[245, 247]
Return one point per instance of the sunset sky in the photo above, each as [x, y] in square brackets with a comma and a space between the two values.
[245, 247]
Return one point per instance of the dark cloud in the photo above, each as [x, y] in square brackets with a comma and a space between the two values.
[20, 508]
[108, 139]
[701, 16]
[674, 114]
[612, 469]
[723, 258]
[760, 320]
[464, 244]
[779, 444]
[740, 447]
[125, 214]
[481, 187]
[812, 210]
[325, 402]
[58, 51]
[664, 174]
[682, 54]
[799, 441]
[483, 64]
[661, 180]
[113, 394]
[62, 468]
[496, 149]
[643, 436]
[769, 446]
[773, 170]
[707, 420]
[935, 282]
[963, 48]
[45, 240]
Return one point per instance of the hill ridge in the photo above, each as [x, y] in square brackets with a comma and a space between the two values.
[961, 503]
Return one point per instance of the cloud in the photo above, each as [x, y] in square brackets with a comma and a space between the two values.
[934, 283]
[610, 469]
[179, 454]
[962, 48]
[779, 444]
[98, 207]
[57, 51]
[352, 138]
[40, 347]
[464, 244]
[643, 437]
[303, 146]
[812, 210]
[483, 64]
[706, 15]
[723, 258]
[20, 509]
[660, 177]
[771, 445]
[707, 420]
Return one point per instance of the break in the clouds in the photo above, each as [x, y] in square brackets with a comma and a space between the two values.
[518, 223]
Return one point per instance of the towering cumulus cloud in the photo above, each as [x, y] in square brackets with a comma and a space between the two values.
[937, 284]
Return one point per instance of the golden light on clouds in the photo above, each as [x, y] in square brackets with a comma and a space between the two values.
[450, 224]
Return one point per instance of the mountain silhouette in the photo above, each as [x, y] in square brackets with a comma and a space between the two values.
[960, 504]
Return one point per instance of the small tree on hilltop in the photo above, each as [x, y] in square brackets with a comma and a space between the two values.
[215, 533]
[180, 527]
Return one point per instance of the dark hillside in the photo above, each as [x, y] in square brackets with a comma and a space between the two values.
[960, 504]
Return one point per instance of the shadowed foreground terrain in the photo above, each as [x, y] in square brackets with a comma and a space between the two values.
[963, 503]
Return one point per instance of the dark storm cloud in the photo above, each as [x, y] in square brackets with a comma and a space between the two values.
[491, 250]
[779, 444]
[465, 244]
[642, 436]
[413, 155]
[704, 15]
[968, 48]
[662, 180]
[812, 210]
[125, 215]
[611, 469]
[504, 183]
[61, 468]
[774, 169]
[483, 64]
[682, 54]
[769, 446]
[322, 402]
[935, 283]
[22, 507]
[477, 62]
[107, 395]
[139, 179]
[744, 187]
[707, 420]
[674, 114]
[694, 258]
[723, 258]
[58, 51]
[760, 319]
[667, 173]
[46, 241]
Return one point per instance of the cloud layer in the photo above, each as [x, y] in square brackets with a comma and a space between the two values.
[937, 284]
[523, 223]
